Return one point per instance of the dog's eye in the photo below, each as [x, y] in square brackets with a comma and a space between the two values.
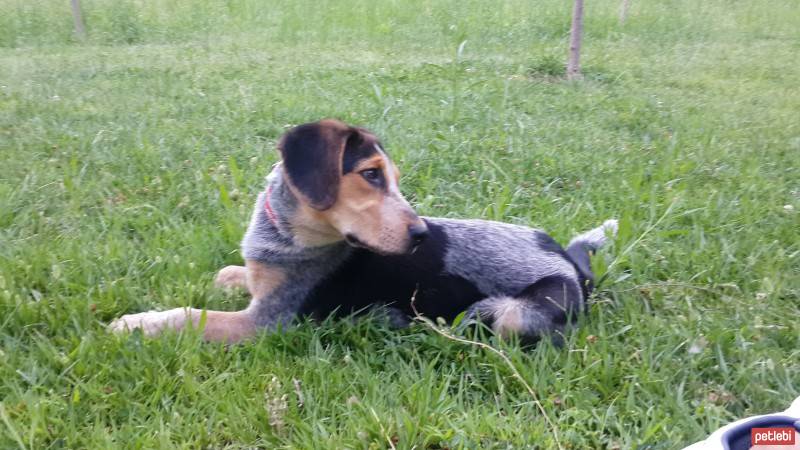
[371, 175]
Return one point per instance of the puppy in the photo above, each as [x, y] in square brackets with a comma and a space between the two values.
[332, 233]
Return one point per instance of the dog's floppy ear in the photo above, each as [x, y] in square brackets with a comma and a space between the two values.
[312, 159]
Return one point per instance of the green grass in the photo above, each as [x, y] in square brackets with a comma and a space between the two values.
[129, 165]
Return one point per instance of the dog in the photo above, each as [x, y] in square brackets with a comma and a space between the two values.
[332, 234]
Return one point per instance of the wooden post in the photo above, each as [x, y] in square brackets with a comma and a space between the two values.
[623, 11]
[77, 17]
[574, 62]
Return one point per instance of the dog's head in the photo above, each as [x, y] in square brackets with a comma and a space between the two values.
[348, 184]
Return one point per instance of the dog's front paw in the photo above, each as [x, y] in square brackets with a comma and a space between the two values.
[151, 322]
[230, 277]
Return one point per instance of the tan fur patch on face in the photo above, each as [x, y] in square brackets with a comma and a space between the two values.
[378, 216]
[358, 199]
[310, 227]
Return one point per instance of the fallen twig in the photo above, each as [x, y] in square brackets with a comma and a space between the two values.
[383, 430]
[418, 317]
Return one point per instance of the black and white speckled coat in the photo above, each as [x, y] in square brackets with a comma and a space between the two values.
[516, 277]
[332, 234]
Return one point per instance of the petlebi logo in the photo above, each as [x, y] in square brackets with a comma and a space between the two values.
[783, 438]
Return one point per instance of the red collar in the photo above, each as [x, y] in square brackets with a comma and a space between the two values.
[270, 213]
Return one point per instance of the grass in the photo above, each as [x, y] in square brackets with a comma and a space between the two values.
[130, 163]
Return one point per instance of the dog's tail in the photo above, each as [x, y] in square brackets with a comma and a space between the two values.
[582, 245]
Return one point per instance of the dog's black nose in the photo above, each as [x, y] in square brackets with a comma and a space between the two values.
[418, 233]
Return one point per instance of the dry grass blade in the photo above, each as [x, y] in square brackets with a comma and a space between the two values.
[506, 360]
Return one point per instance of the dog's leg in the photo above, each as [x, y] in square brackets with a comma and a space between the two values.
[544, 308]
[230, 277]
[219, 326]
[262, 280]
[256, 277]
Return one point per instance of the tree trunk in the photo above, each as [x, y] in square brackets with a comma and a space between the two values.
[623, 11]
[574, 63]
[77, 17]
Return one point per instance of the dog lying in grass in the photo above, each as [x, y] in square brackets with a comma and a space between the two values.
[332, 233]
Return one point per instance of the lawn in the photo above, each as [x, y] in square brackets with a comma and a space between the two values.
[129, 164]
